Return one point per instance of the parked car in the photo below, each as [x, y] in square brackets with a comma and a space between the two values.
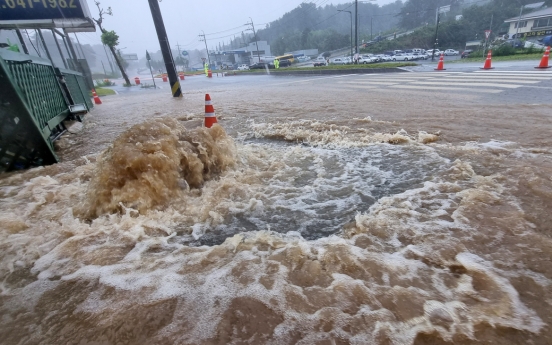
[546, 41]
[367, 59]
[389, 53]
[260, 65]
[451, 52]
[403, 57]
[243, 67]
[466, 53]
[385, 58]
[338, 61]
[320, 61]
[437, 52]
[514, 43]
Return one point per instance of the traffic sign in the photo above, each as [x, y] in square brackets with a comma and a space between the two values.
[444, 9]
[487, 34]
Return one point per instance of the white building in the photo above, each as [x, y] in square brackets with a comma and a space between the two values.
[534, 24]
[245, 55]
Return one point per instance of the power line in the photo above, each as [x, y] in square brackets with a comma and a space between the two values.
[215, 33]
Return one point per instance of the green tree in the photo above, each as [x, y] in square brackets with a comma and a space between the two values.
[110, 39]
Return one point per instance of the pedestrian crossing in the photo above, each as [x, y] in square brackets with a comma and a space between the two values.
[480, 81]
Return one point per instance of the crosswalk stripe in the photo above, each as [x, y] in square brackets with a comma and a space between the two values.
[444, 88]
[369, 82]
[526, 72]
[462, 80]
[500, 77]
[351, 86]
[455, 83]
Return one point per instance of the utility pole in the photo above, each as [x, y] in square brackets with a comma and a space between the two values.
[356, 26]
[165, 47]
[351, 15]
[206, 49]
[255, 37]
[371, 37]
[179, 53]
[435, 40]
[148, 57]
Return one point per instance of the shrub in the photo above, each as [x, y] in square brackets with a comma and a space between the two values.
[105, 82]
[504, 50]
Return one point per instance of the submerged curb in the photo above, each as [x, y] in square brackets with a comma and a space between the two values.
[340, 71]
[327, 71]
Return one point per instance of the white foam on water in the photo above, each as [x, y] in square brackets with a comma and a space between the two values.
[410, 263]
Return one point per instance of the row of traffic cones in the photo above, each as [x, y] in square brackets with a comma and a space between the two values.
[487, 65]
[210, 116]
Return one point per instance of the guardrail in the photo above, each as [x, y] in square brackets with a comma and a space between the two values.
[35, 99]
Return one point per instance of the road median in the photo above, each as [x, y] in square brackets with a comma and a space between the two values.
[332, 70]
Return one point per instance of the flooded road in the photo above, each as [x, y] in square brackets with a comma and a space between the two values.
[342, 210]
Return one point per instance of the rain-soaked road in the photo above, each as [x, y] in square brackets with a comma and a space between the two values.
[406, 208]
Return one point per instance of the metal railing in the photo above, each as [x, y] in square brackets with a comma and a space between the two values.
[34, 101]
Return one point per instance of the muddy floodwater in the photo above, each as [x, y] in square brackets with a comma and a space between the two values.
[310, 214]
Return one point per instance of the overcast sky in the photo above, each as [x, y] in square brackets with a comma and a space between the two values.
[184, 20]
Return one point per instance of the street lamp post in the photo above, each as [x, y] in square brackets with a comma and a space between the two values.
[371, 37]
[351, 15]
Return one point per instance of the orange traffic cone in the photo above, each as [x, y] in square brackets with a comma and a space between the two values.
[488, 62]
[210, 117]
[97, 99]
[544, 60]
[209, 73]
[441, 64]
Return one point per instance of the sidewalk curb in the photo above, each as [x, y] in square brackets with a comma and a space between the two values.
[340, 71]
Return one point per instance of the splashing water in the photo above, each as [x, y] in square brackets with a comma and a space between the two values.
[338, 242]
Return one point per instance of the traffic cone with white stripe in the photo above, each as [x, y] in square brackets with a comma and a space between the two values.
[97, 99]
[544, 60]
[488, 61]
[210, 117]
[441, 64]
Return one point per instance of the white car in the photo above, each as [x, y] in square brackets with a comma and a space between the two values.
[243, 67]
[437, 53]
[451, 52]
[367, 59]
[338, 61]
[403, 57]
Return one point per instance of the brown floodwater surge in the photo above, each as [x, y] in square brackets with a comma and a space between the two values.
[152, 162]
[364, 228]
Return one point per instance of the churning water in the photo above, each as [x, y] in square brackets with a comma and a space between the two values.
[301, 232]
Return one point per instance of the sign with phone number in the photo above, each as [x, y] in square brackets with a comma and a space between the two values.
[535, 33]
[40, 9]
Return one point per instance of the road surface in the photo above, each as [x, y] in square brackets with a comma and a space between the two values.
[406, 208]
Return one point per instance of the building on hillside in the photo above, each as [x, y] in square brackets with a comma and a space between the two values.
[535, 24]
[304, 52]
[245, 55]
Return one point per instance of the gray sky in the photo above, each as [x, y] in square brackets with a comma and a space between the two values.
[184, 20]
